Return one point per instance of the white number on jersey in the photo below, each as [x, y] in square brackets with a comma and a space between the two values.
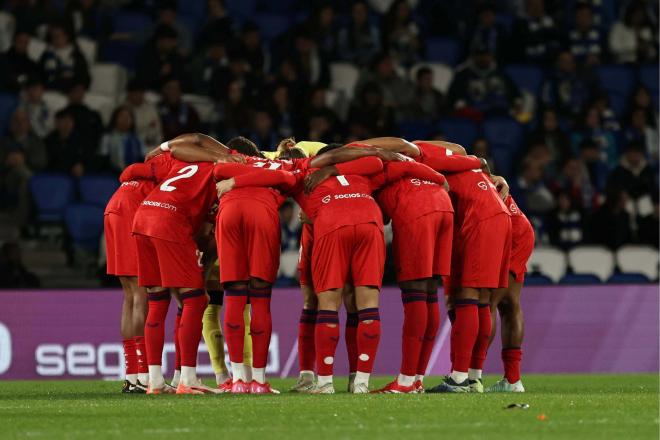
[272, 166]
[184, 173]
[342, 180]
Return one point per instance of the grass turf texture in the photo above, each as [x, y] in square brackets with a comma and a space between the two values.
[584, 407]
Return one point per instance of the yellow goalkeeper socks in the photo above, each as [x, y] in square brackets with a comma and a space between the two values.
[215, 342]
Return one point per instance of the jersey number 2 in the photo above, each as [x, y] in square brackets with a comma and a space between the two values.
[184, 173]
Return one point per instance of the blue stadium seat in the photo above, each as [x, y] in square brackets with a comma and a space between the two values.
[124, 53]
[193, 9]
[97, 189]
[241, 8]
[283, 6]
[628, 278]
[460, 131]
[579, 279]
[648, 75]
[133, 22]
[442, 50]
[84, 223]
[618, 81]
[51, 193]
[537, 280]
[414, 130]
[8, 103]
[505, 138]
[272, 25]
[503, 158]
[526, 77]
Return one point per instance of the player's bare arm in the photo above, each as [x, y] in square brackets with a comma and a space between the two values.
[456, 148]
[501, 184]
[394, 144]
[364, 166]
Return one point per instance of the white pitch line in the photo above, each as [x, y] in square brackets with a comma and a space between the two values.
[290, 360]
[439, 342]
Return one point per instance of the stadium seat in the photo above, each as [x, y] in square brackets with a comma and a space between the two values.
[84, 223]
[8, 103]
[130, 22]
[618, 81]
[51, 193]
[7, 28]
[102, 104]
[204, 106]
[592, 260]
[108, 79]
[648, 75]
[272, 25]
[442, 74]
[442, 50]
[55, 101]
[526, 77]
[537, 280]
[97, 189]
[344, 77]
[579, 279]
[241, 8]
[36, 48]
[505, 137]
[638, 259]
[414, 129]
[288, 264]
[88, 49]
[548, 261]
[460, 131]
[628, 278]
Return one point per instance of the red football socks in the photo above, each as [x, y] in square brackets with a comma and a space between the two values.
[261, 325]
[177, 346]
[464, 334]
[431, 331]
[234, 323]
[326, 337]
[415, 316]
[481, 345]
[350, 338]
[154, 326]
[368, 337]
[141, 352]
[306, 347]
[130, 356]
[190, 329]
[511, 357]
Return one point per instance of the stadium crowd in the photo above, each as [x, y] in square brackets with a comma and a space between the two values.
[583, 164]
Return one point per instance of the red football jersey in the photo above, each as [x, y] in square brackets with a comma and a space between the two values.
[177, 207]
[444, 160]
[474, 197]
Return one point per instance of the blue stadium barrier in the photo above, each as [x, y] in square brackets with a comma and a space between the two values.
[618, 81]
[442, 50]
[537, 280]
[526, 77]
[272, 25]
[8, 103]
[84, 223]
[460, 131]
[628, 278]
[97, 189]
[414, 130]
[648, 76]
[51, 192]
[579, 279]
[241, 8]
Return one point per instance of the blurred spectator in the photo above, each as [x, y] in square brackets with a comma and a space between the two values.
[65, 153]
[382, 6]
[369, 115]
[608, 119]
[591, 127]
[21, 153]
[529, 190]
[204, 68]
[13, 273]
[574, 182]
[596, 169]
[481, 149]
[309, 60]
[535, 35]
[86, 19]
[159, 59]
[321, 122]
[611, 225]
[359, 41]
[16, 67]
[282, 111]
[539, 153]
[88, 124]
[323, 29]
[250, 46]
[401, 33]
[218, 26]
[398, 92]
[262, 132]
[641, 98]
[633, 174]
[32, 101]
[639, 129]
[550, 133]
[565, 224]
[567, 89]
[480, 88]
[585, 40]
[632, 38]
[233, 112]
[120, 146]
[428, 103]
[33, 16]
[166, 16]
[147, 119]
[488, 33]
[238, 70]
[649, 226]
[176, 117]
[63, 63]
[290, 227]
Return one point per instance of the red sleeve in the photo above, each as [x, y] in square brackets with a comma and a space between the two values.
[442, 159]
[223, 171]
[160, 166]
[397, 170]
[137, 171]
[363, 166]
[274, 178]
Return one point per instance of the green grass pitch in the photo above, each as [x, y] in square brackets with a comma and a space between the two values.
[575, 407]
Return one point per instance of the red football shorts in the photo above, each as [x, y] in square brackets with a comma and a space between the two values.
[422, 247]
[305, 257]
[522, 246]
[480, 257]
[163, 263]
[354, 252]
[120, 247]
[248, 240]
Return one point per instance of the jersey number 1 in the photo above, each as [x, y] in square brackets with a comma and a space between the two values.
[184, 173]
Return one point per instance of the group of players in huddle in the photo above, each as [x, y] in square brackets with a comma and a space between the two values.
[199, 221]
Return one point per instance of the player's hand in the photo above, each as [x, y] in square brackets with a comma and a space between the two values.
[153, 153]
[390, 156]
[317, 177]
[224, 186]
[502, 186]
[231, 158]
[484, 166]
[303, 218]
